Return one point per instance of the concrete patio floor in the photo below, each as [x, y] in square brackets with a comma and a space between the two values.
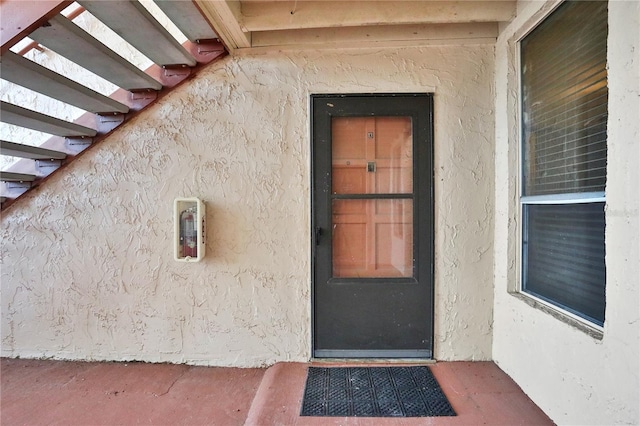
[36, 392]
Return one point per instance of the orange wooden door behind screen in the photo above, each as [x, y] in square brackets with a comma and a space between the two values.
[372, 237]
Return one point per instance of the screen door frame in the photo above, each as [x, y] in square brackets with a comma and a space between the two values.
[423, 208]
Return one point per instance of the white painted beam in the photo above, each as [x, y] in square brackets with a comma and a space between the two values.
[375, 36]
[224, 16]
[288, 15]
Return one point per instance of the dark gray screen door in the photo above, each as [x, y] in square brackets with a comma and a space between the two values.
[372, 226]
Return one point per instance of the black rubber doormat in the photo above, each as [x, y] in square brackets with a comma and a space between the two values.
[373, 392]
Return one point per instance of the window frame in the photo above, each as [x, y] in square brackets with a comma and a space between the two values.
[596, 330]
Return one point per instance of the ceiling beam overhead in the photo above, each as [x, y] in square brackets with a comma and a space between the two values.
[377, 36]
[224, 15]
[289, 15]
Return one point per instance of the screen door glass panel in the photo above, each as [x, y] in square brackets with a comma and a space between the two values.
[372, 209]
[371, 155]
[372, 238]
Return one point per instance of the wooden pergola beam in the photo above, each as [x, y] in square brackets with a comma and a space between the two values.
[380, 36]
[224, 17]
[280, 15]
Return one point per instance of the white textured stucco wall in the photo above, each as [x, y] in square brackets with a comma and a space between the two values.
[87, 269]
[573, 377]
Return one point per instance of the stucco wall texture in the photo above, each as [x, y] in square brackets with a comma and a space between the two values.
[87, 269]
[573, 377]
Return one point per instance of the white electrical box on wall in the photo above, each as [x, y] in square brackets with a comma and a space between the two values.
[189, 237]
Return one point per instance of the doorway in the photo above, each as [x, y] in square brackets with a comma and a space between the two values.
[372, 218]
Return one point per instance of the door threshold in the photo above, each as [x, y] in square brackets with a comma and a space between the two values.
[375, 361]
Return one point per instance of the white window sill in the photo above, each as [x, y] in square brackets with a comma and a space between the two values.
[590, 330]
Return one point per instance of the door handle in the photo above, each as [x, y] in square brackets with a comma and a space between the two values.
[318, 234]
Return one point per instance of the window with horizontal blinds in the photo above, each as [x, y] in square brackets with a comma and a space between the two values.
[564, 156]
[564, 101]
[564, 244]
